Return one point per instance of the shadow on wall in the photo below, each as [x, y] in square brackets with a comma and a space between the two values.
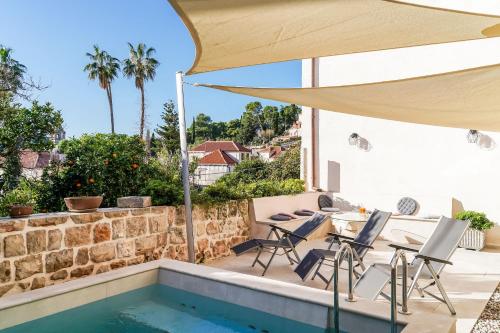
[333, 176]
[486, 142]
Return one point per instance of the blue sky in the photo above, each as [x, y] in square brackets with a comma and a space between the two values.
[51, 38]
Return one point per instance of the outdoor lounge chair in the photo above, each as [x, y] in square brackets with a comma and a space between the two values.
[360, 246]
[286, 240]
[428, 264]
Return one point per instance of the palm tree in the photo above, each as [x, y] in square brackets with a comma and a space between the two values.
[104, 68]
[142, 67]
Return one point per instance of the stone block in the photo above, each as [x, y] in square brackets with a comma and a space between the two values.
[212, 228]
[220, 248]
[136, 226]
[158, 210]
[133, 202]
[82, 257]
[200, 229]
[36, 241]
[135, 261]
[125, 248]
[157, 223]
[77, 236]
[118, 264]
[102, 252]
[102, 232]
[202, 244]
[113, 213]
[140, 211]
[82, 271]
[162, 239]
[38, 282]
[177, 236]
[14, 246]
[55, 238]
[4, 289]
[28, 266]
[48, 220]
[59, 275]
[55, 261]
[12, 225]
[145, 245]
[118, 227]
[87, 217]
[5, 271]
[103, 269]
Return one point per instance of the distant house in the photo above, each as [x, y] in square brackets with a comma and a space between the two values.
[33, 163]
[270, 153]
[215, 159]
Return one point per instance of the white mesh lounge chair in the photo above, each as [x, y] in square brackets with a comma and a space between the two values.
[360, 246]
[428, 264]
[285, 240]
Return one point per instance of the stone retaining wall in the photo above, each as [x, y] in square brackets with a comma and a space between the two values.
[52, 248]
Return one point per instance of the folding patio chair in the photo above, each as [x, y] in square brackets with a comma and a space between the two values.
[286, 240]
[359, 244]
[428, 264]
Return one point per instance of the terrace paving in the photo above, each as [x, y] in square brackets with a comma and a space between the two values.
[470, 281]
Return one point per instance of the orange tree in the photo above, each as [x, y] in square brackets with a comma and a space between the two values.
[111, 165]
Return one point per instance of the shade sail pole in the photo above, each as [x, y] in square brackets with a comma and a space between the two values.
[185, 166]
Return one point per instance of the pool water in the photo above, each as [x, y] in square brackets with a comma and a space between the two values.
[161, 309]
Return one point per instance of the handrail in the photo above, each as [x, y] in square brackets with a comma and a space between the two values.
[400, 254]
[344, 248]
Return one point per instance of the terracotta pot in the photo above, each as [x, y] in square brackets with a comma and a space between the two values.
[20, 210]
[83, 204]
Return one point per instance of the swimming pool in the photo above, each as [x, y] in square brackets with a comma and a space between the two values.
[172, 296]
[161, 309]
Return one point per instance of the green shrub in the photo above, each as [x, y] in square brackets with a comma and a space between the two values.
[23, 194]
[478, 220]
[287, 165]
[164, 193]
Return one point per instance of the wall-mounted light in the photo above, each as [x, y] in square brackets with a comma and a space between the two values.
[473, 136]
[354, 139]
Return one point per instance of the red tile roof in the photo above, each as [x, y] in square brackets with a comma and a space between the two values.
[217, 157]
[209, 146]
[273, 151]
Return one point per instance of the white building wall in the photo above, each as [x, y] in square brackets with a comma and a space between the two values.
[404, 159]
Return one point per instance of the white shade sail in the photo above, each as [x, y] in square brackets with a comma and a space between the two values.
[235, 33]
[465, 99]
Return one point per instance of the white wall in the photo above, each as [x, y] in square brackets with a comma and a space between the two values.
[406, 159]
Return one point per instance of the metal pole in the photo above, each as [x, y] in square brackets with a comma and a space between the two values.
[404, 306]
[185, 166]
[336, 326]
[394, 304]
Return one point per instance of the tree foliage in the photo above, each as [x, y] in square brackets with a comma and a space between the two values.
[168, 131]
[256, 125]
[24, 128]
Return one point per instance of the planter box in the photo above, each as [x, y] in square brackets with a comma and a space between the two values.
[473, 239]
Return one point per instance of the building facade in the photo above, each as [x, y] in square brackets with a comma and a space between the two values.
[215, 159]
[387, 160]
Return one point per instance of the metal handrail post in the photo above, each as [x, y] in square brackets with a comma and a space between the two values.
[394, 275]
[344, 248]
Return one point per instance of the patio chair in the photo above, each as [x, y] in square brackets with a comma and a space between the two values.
[360, 246]
[286, 240]
[428, 264]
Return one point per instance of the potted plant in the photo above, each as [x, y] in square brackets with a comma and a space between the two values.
[474, 237]
[85, 199]
[18, 202]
